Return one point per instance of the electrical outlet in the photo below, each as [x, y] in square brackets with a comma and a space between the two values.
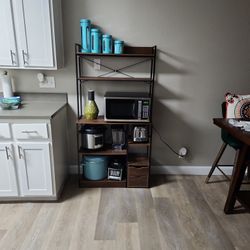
[49, 82]
[183, 152]
[97, 64]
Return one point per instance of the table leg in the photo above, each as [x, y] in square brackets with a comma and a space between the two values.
[236, 180]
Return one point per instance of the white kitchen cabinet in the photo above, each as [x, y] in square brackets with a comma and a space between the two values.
[8, 177]
[34, 166]
[5, 131]
[36, 26]
[8, 49]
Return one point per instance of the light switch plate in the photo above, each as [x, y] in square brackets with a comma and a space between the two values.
[49, 82]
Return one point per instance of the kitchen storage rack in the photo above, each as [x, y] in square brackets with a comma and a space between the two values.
[137, 171]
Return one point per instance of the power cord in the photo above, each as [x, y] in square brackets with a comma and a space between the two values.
[166, 144]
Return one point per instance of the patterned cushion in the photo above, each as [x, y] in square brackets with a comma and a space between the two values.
[238, 106]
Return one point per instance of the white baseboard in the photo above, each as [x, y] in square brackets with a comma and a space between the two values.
[188, 170]
[176, 170]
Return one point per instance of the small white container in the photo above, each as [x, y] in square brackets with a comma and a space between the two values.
[6, 84]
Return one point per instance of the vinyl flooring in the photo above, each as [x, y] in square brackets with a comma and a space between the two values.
[178, 212]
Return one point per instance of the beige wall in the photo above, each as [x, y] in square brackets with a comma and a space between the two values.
[204, 51]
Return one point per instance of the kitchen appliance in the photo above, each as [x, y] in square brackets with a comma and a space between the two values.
[118, 138]
[95, 167]
[92, 137]
[140, 134]
[127, 106]
[115, 170]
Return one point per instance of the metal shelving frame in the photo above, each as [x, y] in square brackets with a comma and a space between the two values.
[146, 54]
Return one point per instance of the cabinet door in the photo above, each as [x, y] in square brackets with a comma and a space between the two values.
[34, 166]
[36, 41]
[8, 180]
[8, 51]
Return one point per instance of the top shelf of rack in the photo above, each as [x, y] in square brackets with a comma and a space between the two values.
[128, 52]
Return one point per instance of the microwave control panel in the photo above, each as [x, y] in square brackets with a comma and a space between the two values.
[145, 109]
[145, 112]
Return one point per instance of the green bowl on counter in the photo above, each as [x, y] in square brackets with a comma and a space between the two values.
[10, 102]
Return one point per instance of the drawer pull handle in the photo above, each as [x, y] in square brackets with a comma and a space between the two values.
[12, 54]
[7, 153]
[29, 132]
[24, 57]
[19, 152]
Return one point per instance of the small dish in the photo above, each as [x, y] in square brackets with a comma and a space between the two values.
[10, 102]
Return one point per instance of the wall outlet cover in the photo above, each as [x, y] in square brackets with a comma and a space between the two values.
[183, 152]
[49, 82]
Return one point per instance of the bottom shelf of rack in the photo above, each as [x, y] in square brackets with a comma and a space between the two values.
[102, 183]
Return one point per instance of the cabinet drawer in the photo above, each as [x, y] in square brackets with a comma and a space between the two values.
[5, 131]
[138, 181]
[138, 171]
[30, 131]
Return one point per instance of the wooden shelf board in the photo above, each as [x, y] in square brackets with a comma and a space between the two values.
[102, 183]
[137, 160]
[105, 151]
[100, 121]
[140, 144]
[127, 51]
[102, 78]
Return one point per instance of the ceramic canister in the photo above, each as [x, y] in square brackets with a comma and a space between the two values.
[106, 44]
[95, 41]
[118, 46]
[85, 35]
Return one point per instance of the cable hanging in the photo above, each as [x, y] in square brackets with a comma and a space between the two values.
[165, 143]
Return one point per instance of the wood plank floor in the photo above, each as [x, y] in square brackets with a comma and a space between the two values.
[178, 212]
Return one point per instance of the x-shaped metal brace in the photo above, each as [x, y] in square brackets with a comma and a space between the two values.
[118, 70]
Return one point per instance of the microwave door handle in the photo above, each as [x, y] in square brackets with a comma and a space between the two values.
[134, 110]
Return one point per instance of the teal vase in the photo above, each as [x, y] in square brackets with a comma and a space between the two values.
[91, 110]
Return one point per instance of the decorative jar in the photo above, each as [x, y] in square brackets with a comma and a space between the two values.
[91, 110]
[95, 41]
[85, 35]
[118, 46]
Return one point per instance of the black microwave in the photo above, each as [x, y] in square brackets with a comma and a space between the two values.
[127, 106]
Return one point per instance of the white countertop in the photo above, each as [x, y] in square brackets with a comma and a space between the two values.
[45, 107]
